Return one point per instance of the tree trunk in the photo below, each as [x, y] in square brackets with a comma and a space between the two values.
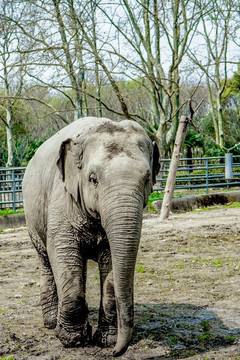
[220, 120]
[9, 137]
[181, 133]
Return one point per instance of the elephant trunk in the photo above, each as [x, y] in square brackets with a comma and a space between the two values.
[122, 221]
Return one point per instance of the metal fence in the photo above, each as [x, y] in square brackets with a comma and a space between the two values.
[11, 188]
[196, 173]
[202, 173]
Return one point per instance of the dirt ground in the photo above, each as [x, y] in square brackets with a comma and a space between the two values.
[187, 293]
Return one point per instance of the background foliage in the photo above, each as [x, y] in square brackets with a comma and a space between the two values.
[142, 60]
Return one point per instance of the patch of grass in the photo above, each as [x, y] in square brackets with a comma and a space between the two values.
[204, 336]
[186, 250]
[231, 338]
[207, 261]
[229, 206]
[164, 290]
[205, 326]
[206, 208]
[173, 340]
[140, 269]
[1, 230]
[10, 212]
[156, 195]
[180, 266]
[151, 207]
[9, 358]
[232, 206]
[217, 263]
[171, 277]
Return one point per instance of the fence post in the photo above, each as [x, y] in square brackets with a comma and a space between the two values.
[228, 166]
[169, 188]
[207, 173]
[13, 190]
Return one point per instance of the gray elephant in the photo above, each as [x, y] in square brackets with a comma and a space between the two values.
[84, 192]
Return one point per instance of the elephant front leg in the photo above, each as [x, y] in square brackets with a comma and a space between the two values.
[70, 273]
[72, 322]
[106, 333]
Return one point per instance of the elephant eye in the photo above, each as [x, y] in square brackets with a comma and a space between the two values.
[93, 179]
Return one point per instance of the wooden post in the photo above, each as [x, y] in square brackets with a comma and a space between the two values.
[179, 140]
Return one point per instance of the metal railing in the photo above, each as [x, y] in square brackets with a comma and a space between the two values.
[11, 188]
[200, 173]
[196, 173]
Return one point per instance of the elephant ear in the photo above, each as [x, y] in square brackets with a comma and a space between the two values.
[69, 166]
[155, 162]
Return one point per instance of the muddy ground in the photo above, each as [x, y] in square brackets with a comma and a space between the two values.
[187, 293]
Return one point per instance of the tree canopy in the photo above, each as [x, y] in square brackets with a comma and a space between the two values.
[142, 60]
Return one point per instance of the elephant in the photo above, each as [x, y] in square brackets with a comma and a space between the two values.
[84, 193]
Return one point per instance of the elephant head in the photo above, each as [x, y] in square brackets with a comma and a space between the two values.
[109, 172]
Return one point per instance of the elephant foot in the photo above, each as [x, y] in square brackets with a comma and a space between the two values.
[73, 338]
[49, 311]
[50, 322]
[105, 337]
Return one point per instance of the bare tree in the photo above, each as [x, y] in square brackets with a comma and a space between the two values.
[12, 71]
[145, 32]
[126, 40]
[56, 51]
[217, 29]
[76, 43]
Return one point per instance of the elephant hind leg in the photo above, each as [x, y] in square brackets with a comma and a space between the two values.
[48, 290]
[49, 298]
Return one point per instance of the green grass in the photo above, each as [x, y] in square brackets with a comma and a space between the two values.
[205, 325]
[180, 266]
[173, 340]
[230, 206]
[10, 212]
[206, 208]
[217, 263]
[140, 269]
[156, 195]
[9, 358]
[187, 250]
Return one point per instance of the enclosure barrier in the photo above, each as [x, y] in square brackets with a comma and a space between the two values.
[202, 173]
[194, 173]
[11, 188]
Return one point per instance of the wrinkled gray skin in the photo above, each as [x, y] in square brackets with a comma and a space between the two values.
[84, 193]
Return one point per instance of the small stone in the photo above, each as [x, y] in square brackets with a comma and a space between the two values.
[18, 296]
